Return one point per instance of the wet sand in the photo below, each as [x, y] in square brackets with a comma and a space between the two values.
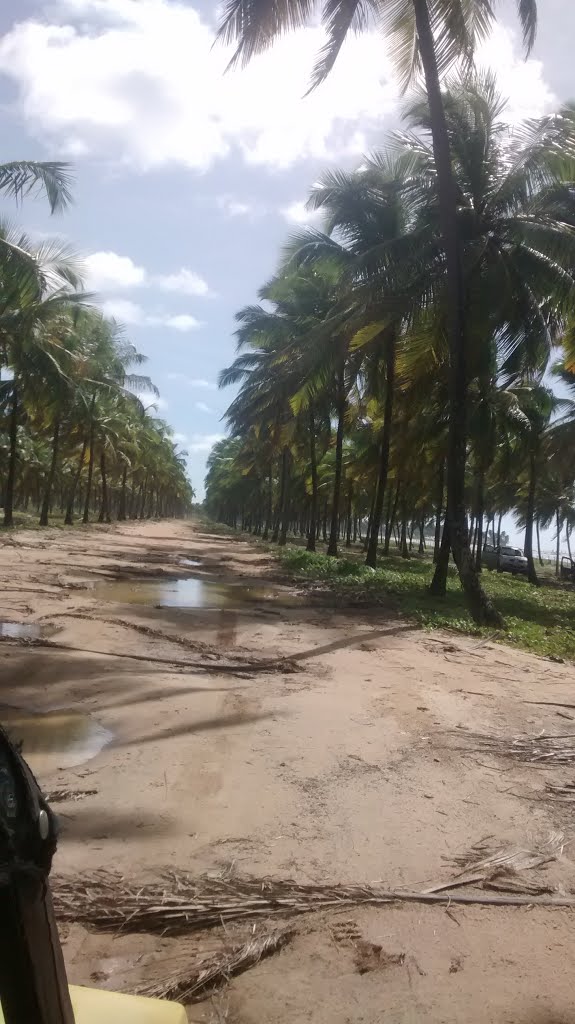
[339, 768]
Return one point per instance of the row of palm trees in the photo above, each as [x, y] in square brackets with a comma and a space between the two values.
[74, 432]
[347, 420]
[425, 38]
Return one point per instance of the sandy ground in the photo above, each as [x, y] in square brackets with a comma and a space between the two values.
[342, 769]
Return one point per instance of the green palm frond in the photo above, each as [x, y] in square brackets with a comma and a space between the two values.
[19, 178]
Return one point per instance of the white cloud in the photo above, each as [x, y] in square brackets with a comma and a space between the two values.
[186, 281]
[203, 442]
[179, 438]
[139, 82]
[296, 213]
[234, 207]
[202, 407]
[124, 310]
[520, 81]
[180, 322]
[131, 313]
[106, 271]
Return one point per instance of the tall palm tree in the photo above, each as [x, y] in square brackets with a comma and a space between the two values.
[426, 36]
[514, 211]
[368, 212]
[35, 302]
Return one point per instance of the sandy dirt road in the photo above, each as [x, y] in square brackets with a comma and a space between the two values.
[342, 769]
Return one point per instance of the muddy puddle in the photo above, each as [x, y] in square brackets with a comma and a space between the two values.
[20, 630]
[188, 593]
[54, 739]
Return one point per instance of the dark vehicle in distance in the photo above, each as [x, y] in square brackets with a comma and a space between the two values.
[567, 569]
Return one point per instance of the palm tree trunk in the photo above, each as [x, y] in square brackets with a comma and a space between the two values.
[51, 474]
[104, 516]
[529, 516]
[568, 538]
[11, 476]
[314, 486]
[421, 549]
[558, 544]
[269, 512]
[143, 497]
[369, 522]
[134, 501]
[371, 557]
[472, 533]
[122, 506]
[480, 606]
[283, 510]
[88, 497]
[332, 546]
[391, 513]
[538, 541]
[480, 514]
[349, 516]
[438, 585]
[403, 536]
[69, 517]
[439, 510]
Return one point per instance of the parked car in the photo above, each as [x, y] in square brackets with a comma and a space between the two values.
[568, 569]
[504, 559]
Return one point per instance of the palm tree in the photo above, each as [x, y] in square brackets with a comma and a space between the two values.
[426, 36]
[106, 360]
[516, 238]
[32, 305]
[369, 213]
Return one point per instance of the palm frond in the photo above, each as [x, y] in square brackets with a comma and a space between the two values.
[21, 177]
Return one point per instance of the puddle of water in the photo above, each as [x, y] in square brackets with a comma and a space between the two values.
[187, 593]
[54, 739]
[20, 630]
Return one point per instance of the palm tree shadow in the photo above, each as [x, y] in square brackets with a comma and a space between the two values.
[86, 824]
[203, 725]
[545, 1017]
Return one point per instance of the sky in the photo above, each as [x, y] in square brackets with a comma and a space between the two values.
[189, 179]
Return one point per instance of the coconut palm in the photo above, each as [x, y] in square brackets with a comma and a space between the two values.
[426, 37]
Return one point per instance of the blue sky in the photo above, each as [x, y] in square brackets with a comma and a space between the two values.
[189, 180]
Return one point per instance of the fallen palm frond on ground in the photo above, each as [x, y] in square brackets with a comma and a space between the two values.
[178, 903]
[541, 750]
[563, 793]
[498, 867]
[60, 796]
[189, 982]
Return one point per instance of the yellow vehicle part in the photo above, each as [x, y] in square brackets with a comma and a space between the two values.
[94, 1006]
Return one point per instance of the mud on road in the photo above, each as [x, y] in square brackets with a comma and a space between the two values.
[336, 764]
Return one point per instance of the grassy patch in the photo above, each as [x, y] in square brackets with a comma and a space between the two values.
[541, 620]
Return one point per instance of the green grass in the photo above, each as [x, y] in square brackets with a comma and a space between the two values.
[537, 619]
[29, 521]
